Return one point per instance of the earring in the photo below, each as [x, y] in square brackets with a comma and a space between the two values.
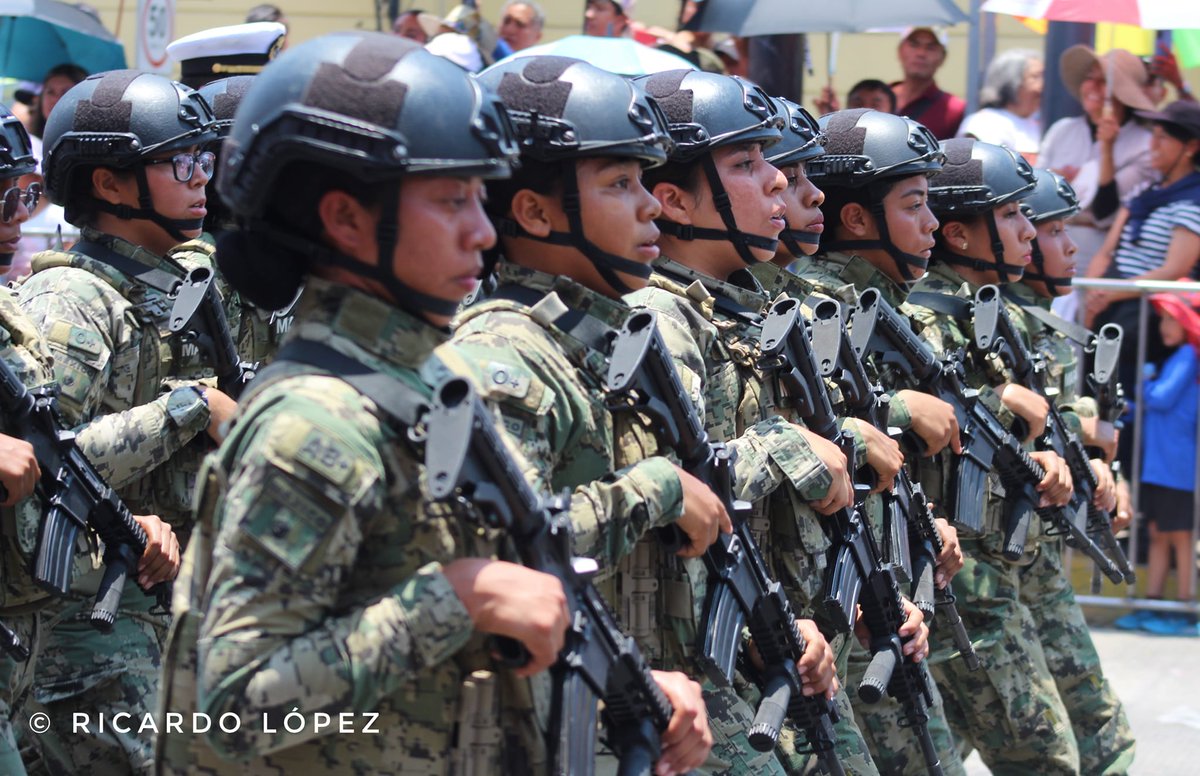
[964, 245]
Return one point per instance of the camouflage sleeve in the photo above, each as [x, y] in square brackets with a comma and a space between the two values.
[281, 630]
[552, 418]
[772, 452]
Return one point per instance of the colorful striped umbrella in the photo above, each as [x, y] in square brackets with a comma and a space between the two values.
[1147, 14]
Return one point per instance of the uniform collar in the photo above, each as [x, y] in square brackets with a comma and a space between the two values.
[571, 293]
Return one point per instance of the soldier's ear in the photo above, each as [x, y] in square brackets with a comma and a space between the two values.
[858, 221]
[532, 211]
[678, 204]
[955, 236]
[348, 225]
[110, 186]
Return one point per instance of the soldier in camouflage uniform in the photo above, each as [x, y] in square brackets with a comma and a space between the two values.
[538, 348]
[1106, 743]
[722, 213]
[123, 158]
[1010, 709]
[368, 602]
[876, 234]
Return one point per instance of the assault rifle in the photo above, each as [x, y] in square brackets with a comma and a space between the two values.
[75, 497]
[1105, 349]
[467, 461]
[198, 313]
[915, 541]
[643, 378]
[877, 328]
[856, 575]
[995, 333]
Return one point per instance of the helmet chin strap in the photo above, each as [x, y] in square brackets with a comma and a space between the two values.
[792, 239]
[742, 241]
[1036, 271]
[997, 264]
[607, 264]
[145, 210]
[904, 261]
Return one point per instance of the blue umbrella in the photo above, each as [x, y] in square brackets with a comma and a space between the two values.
[782, 17]
[617, 55]
[36, 35]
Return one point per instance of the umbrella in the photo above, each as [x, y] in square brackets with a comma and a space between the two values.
[36, 35]
[617, 55]
[782, 17]
[1147, 14]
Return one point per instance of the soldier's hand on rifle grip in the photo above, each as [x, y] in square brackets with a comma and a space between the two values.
[703, 518]
[933, 420]
[1100, 434]
[1031, 407]
[1105, 497]
[1056, 487]
[817, 666]
[19, 471]
[507, 599]
[883, 455]
[917, 647]
[950, 560]
[687, 740]
[160, 561]
[841, 490]
[221, 409]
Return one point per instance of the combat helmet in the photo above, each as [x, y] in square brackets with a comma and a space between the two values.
[563, 109]
[223, 96]
[868, 149]
[121, 119]
[706, 111]
[802, 142]
[1052, 199]
[978, 178]
[16, 159]
[374, 107]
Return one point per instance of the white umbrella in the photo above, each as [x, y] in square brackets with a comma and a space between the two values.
[618, 55]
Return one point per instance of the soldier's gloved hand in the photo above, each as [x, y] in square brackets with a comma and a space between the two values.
[1056, 487]
[703, 517]
[19, 469]
[817, 666]
[914, 625]
[950, 560]
[508, 599]
[883, 455]
[160, 561]
[1105, 497]
[687, 739]
[933, 420]
[221, 409]
[841, 490]
[1030, 406]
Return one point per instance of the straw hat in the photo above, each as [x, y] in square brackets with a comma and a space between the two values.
[1127, 72]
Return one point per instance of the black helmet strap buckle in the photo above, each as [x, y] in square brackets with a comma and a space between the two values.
[607, 264]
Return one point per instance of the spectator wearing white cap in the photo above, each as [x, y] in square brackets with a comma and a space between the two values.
[922, 52]
[220, 52]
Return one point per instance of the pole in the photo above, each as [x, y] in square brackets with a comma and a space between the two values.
[777, 64]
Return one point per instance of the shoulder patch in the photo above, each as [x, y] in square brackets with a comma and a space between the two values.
[509, 380]
[326, 457]
[288, 521]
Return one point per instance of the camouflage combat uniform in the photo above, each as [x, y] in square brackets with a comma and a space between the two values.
[842, 276]
[545, 374]
[117, 365]
[1106, 743]
[1009, 709]
[315, 585]
[712, 330]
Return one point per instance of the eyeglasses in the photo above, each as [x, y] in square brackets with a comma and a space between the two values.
[15, 197]
[184, 165]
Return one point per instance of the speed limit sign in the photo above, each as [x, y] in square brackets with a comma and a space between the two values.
[155, 29]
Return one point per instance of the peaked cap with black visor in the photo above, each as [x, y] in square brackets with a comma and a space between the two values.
[978, 178]
[563, 109]
[121, 119]
[16, 159]
[707, 111]
[802, 141]
[1052, 199]
[867, 149]
[375, 107]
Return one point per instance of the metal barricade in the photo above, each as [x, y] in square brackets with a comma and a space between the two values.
[1143, 288]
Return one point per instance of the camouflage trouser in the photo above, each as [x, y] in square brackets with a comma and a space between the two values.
[83, 671]
[1106, 744]
[16, 680]
[1009, 709]
[851, 747]
[893, 744]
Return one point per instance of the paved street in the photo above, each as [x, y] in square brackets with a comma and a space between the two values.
[1158, 678]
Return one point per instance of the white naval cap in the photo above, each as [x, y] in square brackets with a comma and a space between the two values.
[239, 49]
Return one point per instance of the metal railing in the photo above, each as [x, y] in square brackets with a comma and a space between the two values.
[1143, 288]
